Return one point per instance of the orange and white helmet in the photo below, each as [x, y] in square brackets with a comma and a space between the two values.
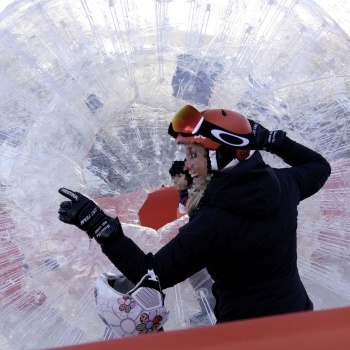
[128, 309]
[213, 128]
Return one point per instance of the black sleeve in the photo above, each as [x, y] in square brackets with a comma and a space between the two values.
[129, 259]
[309, 169]
[186, 254]
[189, 252]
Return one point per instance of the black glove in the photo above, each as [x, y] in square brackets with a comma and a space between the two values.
[177, 168]
[87, 215]
[265, 139]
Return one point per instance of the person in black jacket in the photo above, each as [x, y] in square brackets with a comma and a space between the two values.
[182, 182]
[242, 216]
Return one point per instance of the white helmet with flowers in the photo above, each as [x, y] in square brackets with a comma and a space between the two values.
[128, 309]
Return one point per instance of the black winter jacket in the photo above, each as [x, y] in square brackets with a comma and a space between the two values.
[244, 233]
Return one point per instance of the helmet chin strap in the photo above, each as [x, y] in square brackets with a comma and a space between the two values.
[232, 164]
[223, 156]
[217, 163]
[213, 157]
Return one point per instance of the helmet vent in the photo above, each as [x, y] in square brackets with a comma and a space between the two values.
[223, 113]
[149, 298]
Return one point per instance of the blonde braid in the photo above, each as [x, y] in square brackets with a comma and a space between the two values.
[196, 195]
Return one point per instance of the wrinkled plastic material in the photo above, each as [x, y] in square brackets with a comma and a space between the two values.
[88, 89]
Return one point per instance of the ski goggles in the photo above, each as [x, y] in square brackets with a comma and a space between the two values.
[188, 121]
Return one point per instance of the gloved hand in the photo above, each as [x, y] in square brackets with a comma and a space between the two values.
[265, 139]
[86, 215]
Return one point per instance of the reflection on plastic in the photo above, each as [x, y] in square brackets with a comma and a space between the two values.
[88, 90]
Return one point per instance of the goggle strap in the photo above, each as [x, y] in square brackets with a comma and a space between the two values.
[221, 135]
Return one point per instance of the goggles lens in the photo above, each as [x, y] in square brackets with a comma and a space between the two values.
[187, 120]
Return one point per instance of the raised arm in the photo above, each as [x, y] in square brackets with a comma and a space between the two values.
[310, 170]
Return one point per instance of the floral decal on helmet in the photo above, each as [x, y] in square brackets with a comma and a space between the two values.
[126, 303]
[125, 313]
[149, 323]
